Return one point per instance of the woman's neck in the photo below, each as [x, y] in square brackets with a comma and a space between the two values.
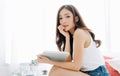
[72, 31]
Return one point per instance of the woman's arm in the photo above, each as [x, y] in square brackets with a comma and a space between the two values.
[67, 43]
[67, 48]
[79, 41]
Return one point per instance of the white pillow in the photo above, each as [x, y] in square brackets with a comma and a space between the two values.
[115, 63]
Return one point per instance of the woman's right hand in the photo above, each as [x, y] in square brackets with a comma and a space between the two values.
[63, 32]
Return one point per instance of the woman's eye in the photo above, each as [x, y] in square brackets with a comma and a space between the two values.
[67, 16]
[60, 18]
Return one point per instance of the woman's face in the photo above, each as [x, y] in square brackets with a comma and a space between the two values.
[66, 19]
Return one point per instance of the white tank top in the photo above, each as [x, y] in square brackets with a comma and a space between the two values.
[92, 57]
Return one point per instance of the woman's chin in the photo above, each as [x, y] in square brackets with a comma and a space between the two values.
[66, 30]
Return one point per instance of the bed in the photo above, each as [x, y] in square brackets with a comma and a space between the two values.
[113, 71]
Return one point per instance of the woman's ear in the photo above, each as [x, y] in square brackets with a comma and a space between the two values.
[76, 19]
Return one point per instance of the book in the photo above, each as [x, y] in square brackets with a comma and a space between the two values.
[55, 55]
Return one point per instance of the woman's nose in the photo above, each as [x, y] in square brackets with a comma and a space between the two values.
[63, 21]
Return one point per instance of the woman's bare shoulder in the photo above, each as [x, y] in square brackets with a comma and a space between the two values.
[79, 32]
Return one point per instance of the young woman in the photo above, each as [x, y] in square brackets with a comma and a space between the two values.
[73, 36]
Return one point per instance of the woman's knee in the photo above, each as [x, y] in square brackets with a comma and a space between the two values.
[54, 71]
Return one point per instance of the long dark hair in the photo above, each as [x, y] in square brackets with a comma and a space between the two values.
[60, 39]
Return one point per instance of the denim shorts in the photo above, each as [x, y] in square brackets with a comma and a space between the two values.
[100, 71]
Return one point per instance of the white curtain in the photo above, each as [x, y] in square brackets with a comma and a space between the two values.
[31, 26]
[114, 27]
[2, 32]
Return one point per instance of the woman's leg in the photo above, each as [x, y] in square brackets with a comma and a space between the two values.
[56, 71]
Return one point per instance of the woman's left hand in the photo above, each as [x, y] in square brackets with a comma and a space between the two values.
[42, 59]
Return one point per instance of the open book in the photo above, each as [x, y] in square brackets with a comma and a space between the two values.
[55, 55]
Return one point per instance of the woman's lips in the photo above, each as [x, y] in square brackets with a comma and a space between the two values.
[65, 25]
